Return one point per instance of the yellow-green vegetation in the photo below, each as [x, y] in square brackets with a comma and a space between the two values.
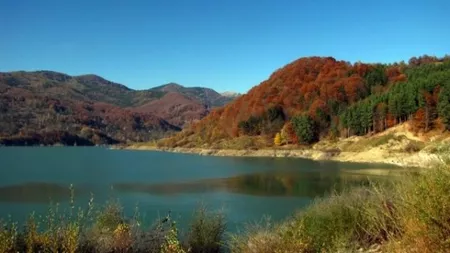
[206, 231]
[106, 229]
[143, 144]
[440, 148]
[238, 143]
[391, 142]
[244, 142]
[277, 139]
[411, 215]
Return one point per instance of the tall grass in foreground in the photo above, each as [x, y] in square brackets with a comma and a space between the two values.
[411, 215]
[206, 232]
[105, 229]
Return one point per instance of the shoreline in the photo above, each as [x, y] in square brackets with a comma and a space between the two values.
[419, 159]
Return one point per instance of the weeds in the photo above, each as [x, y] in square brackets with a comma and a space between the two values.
[8, 236]
[411, 215]
[206, 231]
[442, 148]
[107, 229]
[266, 237]
[414, 146]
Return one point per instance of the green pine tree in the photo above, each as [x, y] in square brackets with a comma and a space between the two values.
[444, 105]
[304, 128]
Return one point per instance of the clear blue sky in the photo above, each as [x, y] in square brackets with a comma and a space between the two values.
[222, 44]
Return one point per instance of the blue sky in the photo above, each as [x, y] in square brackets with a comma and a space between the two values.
[223, 44]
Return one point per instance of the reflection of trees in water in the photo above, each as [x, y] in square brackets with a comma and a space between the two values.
[44, 192]
[304, 184]
[284, 182]
[34, 192]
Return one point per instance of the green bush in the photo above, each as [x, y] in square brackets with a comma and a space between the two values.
[414, 146]
[358, 218]
[206, 232]
[305, 129]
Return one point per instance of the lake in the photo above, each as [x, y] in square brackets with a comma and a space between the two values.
[246, 189]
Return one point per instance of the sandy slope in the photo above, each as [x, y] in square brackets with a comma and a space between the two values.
[388, 147]
[420, 159]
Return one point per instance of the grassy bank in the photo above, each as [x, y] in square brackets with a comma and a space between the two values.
[411, 215]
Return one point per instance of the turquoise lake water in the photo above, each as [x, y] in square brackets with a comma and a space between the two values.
[245, 189]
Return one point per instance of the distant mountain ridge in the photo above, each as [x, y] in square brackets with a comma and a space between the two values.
[208, 96]
[47, 107]
[231, 94]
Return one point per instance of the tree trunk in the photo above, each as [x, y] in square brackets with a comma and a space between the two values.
[374, 125]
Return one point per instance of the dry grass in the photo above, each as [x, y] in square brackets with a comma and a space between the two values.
[105, 229]
[245, 143]
[440, 148]
[206, 232]
[411, 215]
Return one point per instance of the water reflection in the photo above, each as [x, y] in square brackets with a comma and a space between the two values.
[305, 184]
[309, 184]
[35, 192]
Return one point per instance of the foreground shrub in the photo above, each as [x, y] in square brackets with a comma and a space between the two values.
[206, 231]
[424, 205]
[266, 237]
[8, 236]
[359, 218]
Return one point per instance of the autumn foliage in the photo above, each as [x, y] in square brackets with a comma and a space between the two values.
[46, 108]
[338, 97]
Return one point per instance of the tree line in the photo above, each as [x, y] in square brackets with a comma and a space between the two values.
[420, 94]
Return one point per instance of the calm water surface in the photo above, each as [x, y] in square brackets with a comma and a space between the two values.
[246, 189]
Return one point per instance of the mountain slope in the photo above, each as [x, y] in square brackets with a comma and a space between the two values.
[46, 107]
[206, 96]
[183, 105]
[316, 97]
[30, 118]
[176, 108]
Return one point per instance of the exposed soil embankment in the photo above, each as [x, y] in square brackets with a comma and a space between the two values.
[398, 146]
[419, 159]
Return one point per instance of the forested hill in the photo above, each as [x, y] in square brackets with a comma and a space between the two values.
[314, 98]
[46, 107]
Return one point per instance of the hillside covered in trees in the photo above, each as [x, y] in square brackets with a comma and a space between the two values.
[315, 98]
[47, 108]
